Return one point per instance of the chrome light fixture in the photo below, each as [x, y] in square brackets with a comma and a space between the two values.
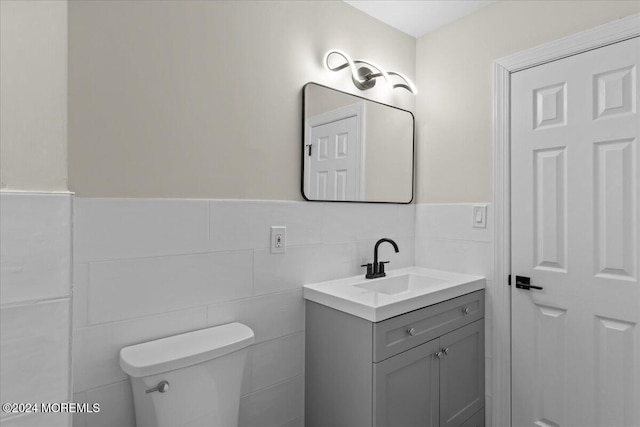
[364, 74]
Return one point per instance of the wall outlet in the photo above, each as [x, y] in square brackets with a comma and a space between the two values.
[278, 239]
[479, 219]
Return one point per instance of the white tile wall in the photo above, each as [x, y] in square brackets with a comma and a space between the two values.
[145, 269]
[116, 406]
[151, 268]
[247, 224]
[35, 311]
[35, 246]
[446, 240]
[302, 265]
[137, 287]
[350, 222]
[407, 221]
[35, 352]
[270, 316]
[274, 406]
[461, 256]
[110, 229]
[451, 221]
[96, 349]
[80, 296]
[277, 359]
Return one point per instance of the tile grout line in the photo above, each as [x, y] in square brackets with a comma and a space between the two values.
[274, 385]
[29, 303]
[196, 307]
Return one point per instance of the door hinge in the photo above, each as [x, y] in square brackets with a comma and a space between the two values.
[509, 280]
[309, 145]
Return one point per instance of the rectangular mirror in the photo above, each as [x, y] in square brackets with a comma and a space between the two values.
[354, 149]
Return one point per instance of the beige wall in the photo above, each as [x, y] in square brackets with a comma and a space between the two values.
[203, 99]
[33, 95]
[453, 69]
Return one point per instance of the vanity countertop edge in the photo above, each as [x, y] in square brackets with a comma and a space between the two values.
[457, 284]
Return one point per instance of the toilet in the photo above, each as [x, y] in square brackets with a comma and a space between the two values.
[191, 379]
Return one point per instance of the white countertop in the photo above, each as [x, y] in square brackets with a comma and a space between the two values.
[401, 291]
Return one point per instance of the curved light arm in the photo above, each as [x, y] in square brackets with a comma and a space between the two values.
[409, 84]
[349, 63]
[380, 72]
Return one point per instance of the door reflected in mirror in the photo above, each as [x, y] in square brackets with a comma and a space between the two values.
[354, 149]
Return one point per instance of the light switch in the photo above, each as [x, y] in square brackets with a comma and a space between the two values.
[479, 219]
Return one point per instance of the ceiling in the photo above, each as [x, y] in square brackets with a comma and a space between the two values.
[417, 17]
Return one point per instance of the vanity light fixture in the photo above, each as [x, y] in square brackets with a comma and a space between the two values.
[364, 76]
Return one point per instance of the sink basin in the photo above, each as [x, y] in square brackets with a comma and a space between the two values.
[395, 285]
[401, 291]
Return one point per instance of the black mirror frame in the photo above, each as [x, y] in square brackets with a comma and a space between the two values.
[302, 151]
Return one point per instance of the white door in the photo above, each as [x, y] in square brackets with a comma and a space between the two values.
[575, 220]
[332, 160]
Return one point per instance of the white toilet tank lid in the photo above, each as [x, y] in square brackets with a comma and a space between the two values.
[179, 351]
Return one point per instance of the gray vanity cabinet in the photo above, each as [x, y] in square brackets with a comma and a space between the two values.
[407, 388]
[423, 368]
[462, 374]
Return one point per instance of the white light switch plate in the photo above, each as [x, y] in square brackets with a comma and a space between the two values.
[479, 218]
[278, 239]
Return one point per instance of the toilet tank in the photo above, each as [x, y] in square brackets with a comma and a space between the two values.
[191, 379]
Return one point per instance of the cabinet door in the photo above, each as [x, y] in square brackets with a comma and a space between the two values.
[461, 374]
[406, 388]
[476, 420]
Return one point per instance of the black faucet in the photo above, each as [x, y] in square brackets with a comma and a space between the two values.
[376, 269]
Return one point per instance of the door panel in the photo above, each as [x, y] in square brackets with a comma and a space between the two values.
[574, 228]
[333, 160]
[613, 209]
[406, 390]
[549, 200]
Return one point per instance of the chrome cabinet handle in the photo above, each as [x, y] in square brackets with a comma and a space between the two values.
[411, 331]
[445, 350]
[438, 355]
[162, 387]
[465, 310]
